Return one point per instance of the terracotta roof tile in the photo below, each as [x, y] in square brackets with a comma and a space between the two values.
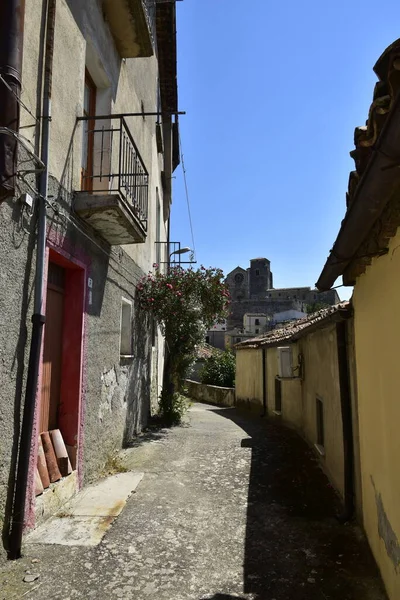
[297, 328]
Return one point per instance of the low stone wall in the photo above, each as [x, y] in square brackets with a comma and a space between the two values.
[221, 396]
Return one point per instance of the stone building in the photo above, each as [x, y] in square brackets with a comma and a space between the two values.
[252, 291]
[85, 194]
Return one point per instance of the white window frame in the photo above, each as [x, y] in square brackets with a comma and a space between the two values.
[125, 328]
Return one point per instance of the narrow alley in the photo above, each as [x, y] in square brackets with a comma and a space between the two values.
[230, 506]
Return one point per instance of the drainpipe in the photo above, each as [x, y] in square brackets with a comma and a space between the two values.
[12, 16]
[38, 318]
[347, 422]
[264, 382]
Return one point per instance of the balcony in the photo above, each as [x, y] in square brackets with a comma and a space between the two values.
[131, 23]
[114, 186]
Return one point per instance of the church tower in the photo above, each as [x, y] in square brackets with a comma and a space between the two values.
[260, 277]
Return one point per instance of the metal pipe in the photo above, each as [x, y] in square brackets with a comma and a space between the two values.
[12, 15]
[347, 422]
[38, 318]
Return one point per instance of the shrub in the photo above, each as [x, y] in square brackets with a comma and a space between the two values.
[219, 369]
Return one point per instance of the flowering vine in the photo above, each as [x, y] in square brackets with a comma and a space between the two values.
[184, 303]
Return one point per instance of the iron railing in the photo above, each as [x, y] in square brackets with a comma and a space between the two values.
[113, 162]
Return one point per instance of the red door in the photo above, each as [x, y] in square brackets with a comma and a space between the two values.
[52, 350]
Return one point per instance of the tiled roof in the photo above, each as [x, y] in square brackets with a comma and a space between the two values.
[373, 208]
[385, 93]
[298, 328]
[206, 351]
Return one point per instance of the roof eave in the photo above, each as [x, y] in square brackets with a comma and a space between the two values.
[377, 185]
[339, 314]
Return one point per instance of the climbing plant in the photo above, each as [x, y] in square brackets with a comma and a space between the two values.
[184, 303]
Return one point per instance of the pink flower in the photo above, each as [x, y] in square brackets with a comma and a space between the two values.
[169, 286]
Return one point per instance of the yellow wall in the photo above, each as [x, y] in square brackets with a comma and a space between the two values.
[321, 379]
[271, 372]
[291, 389]
[377, 333]
[249, 381]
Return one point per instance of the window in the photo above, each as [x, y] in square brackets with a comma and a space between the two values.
[126, 328]
[257, 272]
[257, 322]
[207, 339]
[257, 331]
[320, 422]
[89, 109]
[237, 340]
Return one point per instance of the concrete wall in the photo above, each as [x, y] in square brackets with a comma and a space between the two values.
[211, 394]
[117, 394]
[377, 333]
[248, 380]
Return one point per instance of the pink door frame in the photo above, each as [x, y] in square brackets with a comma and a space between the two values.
[72, 409]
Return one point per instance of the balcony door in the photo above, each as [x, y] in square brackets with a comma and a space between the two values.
[89, 110]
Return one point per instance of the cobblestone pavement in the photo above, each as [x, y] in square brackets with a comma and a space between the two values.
[229, 507]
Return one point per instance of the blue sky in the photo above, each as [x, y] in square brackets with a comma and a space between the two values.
[273, 92]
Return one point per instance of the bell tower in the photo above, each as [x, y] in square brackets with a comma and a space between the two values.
[260, 277]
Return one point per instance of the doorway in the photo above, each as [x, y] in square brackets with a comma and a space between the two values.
[61, 381]
[52, 349]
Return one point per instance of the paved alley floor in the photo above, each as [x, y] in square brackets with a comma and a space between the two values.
[229, 507]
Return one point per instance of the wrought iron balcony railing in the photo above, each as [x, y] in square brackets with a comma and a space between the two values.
[111, 163]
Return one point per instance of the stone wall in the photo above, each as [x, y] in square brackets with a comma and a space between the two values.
[267, 306]
[212, 394]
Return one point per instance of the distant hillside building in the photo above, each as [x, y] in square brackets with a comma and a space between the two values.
[252, 292]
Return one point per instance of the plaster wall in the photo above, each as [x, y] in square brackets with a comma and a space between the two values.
[221, 396]
[377, 330]
[248, 380]
[271, 372]
[298, 395]
[83, 40]
[117, 394]
[321, 380]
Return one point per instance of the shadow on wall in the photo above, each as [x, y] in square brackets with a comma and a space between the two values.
[138, 393]
[294, 547]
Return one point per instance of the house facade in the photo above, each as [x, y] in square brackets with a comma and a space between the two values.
[88, 144]
[367, 246]
[303, 375]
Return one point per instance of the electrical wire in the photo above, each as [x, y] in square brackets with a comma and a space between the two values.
[187, 194]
